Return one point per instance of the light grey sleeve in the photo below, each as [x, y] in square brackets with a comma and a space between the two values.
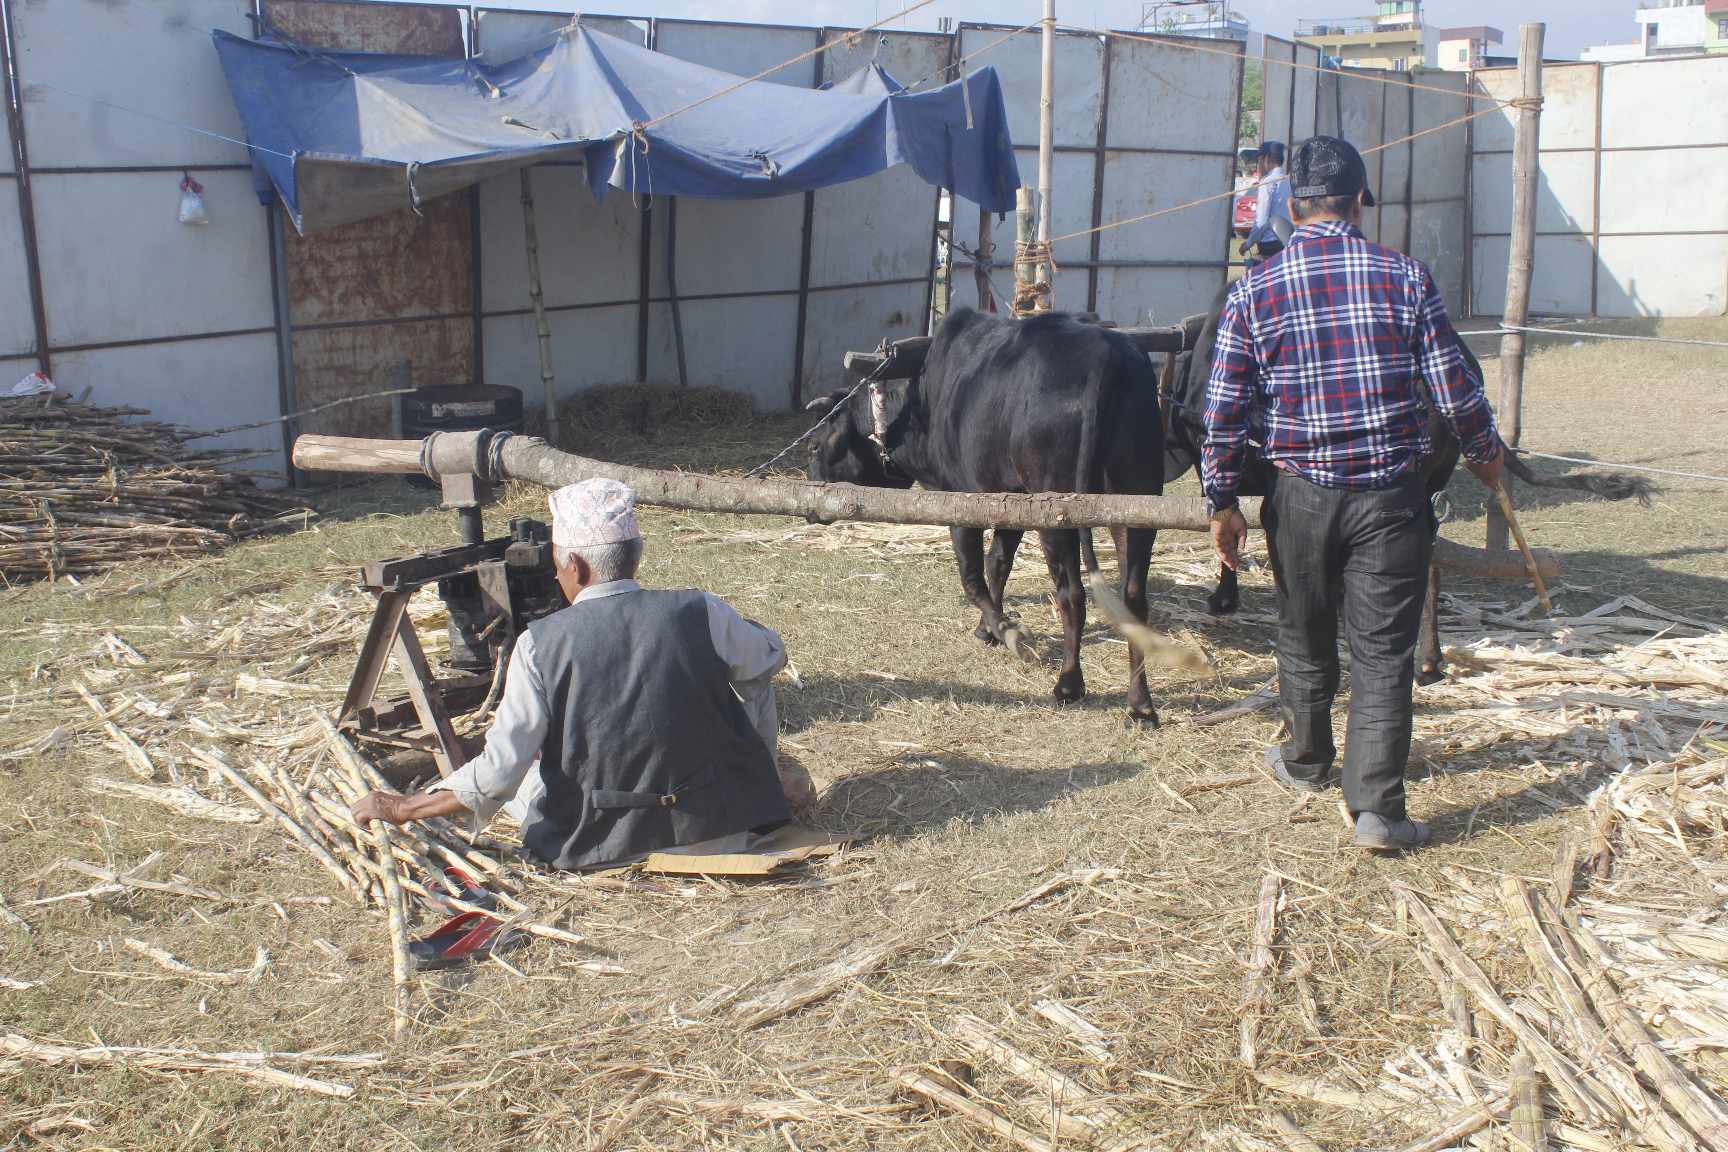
[488, 781]
[753, 654]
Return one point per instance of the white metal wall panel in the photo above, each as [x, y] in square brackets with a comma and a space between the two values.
[117, 264]
[742, 48]
[1394, 187]
[1437, 239]
[1078, 94]
[1663, 276]
[1172, 98]
[200, 383]
[502, 34]
[1278, 88]
[1560, 286]
[1307, 82]
[82, 61]
[1568, 107]
[1665, 103]
[1360, 101]
[1395, 226]
[1136, 183]
[915, 59]
[1565, 194]
[1439, 190]
[7, 164]
[864, 231]
[731, 246]
[841, 322]
[743, 344]
[1668, 190]
[590, 346]
[1157, 295]
[589, 253]
[17, 320]
[1073, 172]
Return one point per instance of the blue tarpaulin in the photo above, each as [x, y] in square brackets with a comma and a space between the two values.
[348, 135]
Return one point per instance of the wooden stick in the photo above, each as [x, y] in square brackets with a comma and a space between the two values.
[1565, 870]
[170, 1059]
[1559, 1070]
[1257, 988]
[1063, 1093]
[182, 801]
[1463, 1125]
[1530, 564]
[976, 1111]
[169, 962]
[285, 821]
[1529, 1125]
[1701, 1113]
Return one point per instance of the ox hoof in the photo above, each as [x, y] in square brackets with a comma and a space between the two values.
[1069, 690]
[1429, 676]
[991, 640]
[1222, 603]
[1143, 715]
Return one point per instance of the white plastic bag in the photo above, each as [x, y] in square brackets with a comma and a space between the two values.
[32, 385]
[192, 210]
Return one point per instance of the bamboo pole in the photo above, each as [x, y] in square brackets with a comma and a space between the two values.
[1025, 232]
[1521, 258]
[1046, 273]
[531, 459]
[537, 297]
[981, 262]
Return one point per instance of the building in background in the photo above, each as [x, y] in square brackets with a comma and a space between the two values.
[1394, 37]
[1464, 49]
[1207, 19]
[1670, 28]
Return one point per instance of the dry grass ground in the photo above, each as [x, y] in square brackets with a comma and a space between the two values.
[968, 786]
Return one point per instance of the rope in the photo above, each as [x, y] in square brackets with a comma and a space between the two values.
[959, 65]
[868, 378]
[850, 38]
[302, 412]
[1033, 294]
[1232, 193]
[1601, 336]
[1625, 467]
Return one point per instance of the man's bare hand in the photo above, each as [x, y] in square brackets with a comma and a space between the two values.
[1230, 536]
[1489, 472]
[379, 806]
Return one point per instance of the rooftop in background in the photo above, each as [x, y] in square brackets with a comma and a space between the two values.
[1209, 19]
[1484, 32]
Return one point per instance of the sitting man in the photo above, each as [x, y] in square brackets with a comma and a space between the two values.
[650, 713]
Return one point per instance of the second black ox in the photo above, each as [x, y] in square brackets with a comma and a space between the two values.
[1045, 404]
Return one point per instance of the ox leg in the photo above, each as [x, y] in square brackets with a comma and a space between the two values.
[969, 551]
[1432, 660]
[1134, 557]
[1062, 557]
[1226, 596]
[1004, 542]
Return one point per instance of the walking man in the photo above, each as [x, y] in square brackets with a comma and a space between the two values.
[1319, 358]
[1272, 223]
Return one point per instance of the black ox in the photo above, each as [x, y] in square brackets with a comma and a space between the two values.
[1045, 404]
[1184, 412]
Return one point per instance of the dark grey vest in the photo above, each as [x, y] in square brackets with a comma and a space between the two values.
[648, 746]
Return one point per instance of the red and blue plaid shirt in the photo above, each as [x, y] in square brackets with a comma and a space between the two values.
[1319, 354]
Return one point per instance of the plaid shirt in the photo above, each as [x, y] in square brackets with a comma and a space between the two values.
[1318, 357]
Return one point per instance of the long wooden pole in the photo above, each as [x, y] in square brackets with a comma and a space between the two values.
[532, 459]
[1025, 228]
[982, 262]
[537, 297]
[1047, 152]
[1521, 259]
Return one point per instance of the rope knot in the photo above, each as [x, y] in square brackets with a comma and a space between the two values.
[1526, 103]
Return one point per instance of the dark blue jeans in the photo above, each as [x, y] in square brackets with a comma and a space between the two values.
[1360, 557]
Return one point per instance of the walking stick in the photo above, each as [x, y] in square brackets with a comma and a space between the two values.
[1518, 535]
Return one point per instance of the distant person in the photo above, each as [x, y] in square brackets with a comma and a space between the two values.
[1272, 223]
[1320, 357]
[633, 721]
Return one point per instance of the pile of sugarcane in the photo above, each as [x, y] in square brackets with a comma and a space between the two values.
[84, 488]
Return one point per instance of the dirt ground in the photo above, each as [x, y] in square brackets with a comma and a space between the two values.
[965, 783]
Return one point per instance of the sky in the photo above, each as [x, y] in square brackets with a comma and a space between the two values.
[1573, 25]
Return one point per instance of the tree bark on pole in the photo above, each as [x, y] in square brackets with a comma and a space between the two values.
[529, 458]
[1521, 258]
[1025, 229]
[1046, 273]
[537, 297]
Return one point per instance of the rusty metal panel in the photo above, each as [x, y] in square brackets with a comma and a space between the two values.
[503, 34]
[385, 268]
[408, 29]
[335, 363]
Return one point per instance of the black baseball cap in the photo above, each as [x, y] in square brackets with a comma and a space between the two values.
[1328, 166]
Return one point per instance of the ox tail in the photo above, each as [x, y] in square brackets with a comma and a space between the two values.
[1154, 646]
[1606, 485]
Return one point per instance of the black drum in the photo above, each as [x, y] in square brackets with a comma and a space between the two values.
[459, 408]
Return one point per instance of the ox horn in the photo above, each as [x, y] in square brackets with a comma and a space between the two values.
[820, 404]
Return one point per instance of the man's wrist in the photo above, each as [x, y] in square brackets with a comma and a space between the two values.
[1218, 506]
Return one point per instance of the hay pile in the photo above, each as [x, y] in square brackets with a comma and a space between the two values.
[84, 488]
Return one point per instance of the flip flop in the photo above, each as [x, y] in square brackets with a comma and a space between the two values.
[460, 940]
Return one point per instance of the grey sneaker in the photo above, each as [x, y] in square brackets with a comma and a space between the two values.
[1378, 834]
[1275, 761]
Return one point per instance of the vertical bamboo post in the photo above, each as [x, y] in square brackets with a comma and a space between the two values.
[1521, 259]
[537, 297]
[1046, 273]
[1025, 228]
[981, 264]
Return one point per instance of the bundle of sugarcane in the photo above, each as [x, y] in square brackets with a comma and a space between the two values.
[84, 488]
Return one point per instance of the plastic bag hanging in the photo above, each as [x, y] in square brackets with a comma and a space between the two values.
[192, 210]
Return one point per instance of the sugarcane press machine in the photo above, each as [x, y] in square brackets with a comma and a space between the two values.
[492, 590]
